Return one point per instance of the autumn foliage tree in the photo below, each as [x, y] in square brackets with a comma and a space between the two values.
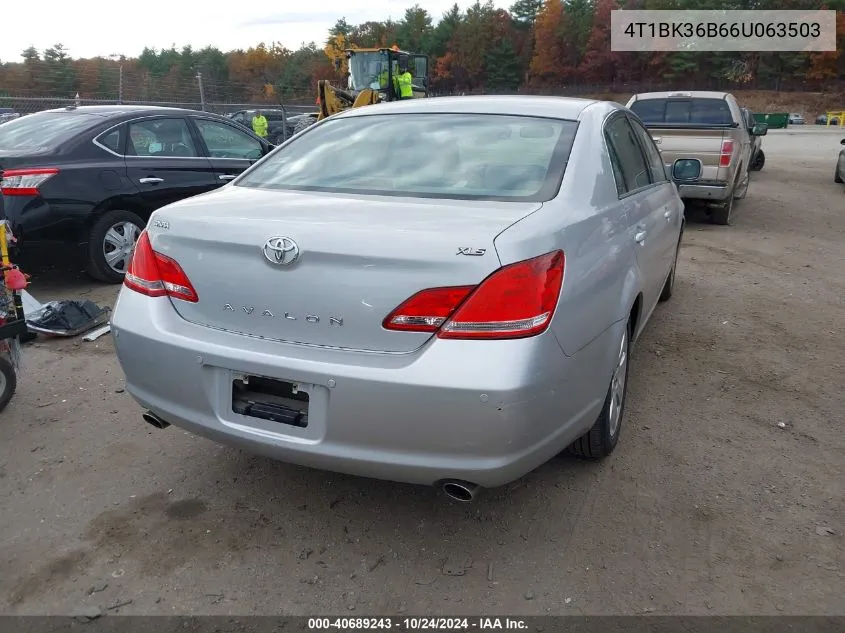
[547, 63]
[553, 46]
[600, 62]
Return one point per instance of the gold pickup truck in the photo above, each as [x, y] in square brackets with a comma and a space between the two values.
[706, 144]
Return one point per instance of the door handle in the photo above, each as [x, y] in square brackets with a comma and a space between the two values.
[226, 177]
[150, 181]
[640, 237]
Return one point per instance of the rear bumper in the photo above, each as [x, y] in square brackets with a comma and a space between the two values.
[484, 412]
[704, 192]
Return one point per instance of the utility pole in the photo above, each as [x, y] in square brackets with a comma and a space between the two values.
[120, 87]
[202, 92]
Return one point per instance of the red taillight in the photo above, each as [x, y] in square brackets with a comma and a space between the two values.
[516, 301]
[25, 182]
[427, 310]
[726, 153]
[157, 275]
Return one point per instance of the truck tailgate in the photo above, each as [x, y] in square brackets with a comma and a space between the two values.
[690, 142]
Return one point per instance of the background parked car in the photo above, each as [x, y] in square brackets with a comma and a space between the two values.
[795, 119]
[275, 122]
[92, 175]
[822, 120]
[839, 172]
[7, 114]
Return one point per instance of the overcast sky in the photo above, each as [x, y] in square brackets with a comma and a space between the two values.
[89, 28]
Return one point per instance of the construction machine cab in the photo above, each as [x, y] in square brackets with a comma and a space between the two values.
[371, 77]
[377, 69]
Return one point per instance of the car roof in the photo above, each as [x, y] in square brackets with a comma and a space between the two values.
[691, 94]
[108, 111]
[553, 107]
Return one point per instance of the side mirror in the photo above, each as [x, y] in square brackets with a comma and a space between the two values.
[760, 129]
[685, 169]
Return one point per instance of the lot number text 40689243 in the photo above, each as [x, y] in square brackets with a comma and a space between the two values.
[416, 624]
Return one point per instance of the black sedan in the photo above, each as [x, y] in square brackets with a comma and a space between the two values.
[93, 175]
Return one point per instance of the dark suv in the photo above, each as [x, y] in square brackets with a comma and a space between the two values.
[93, 175]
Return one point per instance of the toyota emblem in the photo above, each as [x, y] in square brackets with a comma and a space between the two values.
[281, 251]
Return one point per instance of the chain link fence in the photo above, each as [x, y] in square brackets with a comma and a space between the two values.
[29, 105]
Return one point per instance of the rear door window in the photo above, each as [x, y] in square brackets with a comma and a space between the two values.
[224, 141]
[632, 163]
[164, 137]
[693, 111]
[652, 154]
[111, 140]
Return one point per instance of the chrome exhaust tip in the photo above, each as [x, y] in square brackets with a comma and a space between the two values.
[153, 420]
[462, 491]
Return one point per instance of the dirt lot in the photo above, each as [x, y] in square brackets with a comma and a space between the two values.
[707, 507]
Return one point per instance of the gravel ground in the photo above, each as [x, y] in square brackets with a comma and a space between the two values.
[725, 495]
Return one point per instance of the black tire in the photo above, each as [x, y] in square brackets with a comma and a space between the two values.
[759, 161]
[722, 214]
[836, 177]
[601, 439]
[96, 265]
[669, 286]
[9, 381]
[303, 123]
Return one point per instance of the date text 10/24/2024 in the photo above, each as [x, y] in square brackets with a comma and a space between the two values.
[416, 624]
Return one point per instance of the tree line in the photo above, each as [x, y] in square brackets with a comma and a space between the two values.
[545, 46]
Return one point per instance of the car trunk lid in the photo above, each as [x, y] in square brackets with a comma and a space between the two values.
[359, 258]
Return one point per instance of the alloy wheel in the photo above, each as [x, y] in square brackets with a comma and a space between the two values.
[118, 244]
[617, 387]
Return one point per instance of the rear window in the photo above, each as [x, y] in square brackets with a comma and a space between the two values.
[43, 131]
[457, 156]
[683, 111]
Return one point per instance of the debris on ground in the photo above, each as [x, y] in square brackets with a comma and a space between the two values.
[379, 561]
[93, 336]
[86, 613]
[98, 588]
[823, 530]
[64, 318]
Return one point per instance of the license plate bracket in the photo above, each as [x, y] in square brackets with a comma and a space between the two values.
[270, 399]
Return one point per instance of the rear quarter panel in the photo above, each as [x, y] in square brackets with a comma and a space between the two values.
[586, 220]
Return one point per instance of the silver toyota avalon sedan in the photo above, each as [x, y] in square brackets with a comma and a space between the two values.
[440, 291]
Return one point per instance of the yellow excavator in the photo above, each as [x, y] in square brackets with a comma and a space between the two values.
[370, 79]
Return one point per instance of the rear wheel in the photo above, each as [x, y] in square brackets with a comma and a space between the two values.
[723, 213]
[600, 440]
[669, 286]
[8, 382]
[110, 245]
[839, 171]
